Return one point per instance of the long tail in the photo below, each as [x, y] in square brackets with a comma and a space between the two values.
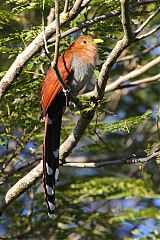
[51, 149]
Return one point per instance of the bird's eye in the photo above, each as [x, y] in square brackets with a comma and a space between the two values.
[84, 41]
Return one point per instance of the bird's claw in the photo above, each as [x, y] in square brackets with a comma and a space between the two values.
[66, 91]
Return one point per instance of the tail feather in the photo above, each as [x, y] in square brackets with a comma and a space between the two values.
[51, 149]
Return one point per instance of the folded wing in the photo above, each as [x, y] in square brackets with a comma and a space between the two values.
[51, 86]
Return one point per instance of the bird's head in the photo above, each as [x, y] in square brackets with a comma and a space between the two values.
[85, 47]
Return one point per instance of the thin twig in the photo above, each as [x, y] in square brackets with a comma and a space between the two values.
[132, 160]
[131, 75]
[24, 183]
[147, 21]
[141, 81]
[145, 51]
[148, 33]
[43, 29]
[66, 6]
[58, 34]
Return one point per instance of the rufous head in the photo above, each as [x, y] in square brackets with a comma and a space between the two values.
[85, 48]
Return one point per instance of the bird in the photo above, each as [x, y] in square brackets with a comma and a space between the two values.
[75, 67]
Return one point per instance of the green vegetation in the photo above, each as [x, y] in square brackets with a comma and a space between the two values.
[91, 203]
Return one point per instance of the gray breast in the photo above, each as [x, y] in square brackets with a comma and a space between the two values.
[82, 73]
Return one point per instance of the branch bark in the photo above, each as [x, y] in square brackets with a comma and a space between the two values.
[147, 21]
[145, 51]
[27, 181]
[132, 160]
[21, 186]
[148, 33]
[116, 52]
[143, 81]
[126, 23]
[131, 76]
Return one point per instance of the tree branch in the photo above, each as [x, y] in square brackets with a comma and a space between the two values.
[148, 33]
[58, 34]
[145, 51]
[131, 75]
[132, 160]
[155, 78]
[23, 184]
[126, 22]
[147, 21]
[115, 53]
[66, 6]
[76, 7]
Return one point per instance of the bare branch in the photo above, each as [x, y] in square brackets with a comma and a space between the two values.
[116, 52]
[58, 34]
[85, 2]
[155, 79]
[76, 6]
[27, 181]
[132, 160]
[66, 6]
[146, 50]
[22, 185]
[147, 21]
[51, 16]
[126, 23]
[131, 75]
[43, 30]
[148, 33]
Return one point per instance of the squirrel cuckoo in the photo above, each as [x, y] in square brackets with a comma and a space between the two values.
[75, 67]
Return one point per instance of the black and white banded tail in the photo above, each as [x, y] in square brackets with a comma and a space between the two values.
[53, 121]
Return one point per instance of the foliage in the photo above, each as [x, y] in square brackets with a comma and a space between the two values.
[90, 203]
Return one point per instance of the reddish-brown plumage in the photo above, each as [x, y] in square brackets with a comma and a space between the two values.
[84, 49]
[51, 85]
[75, 67]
